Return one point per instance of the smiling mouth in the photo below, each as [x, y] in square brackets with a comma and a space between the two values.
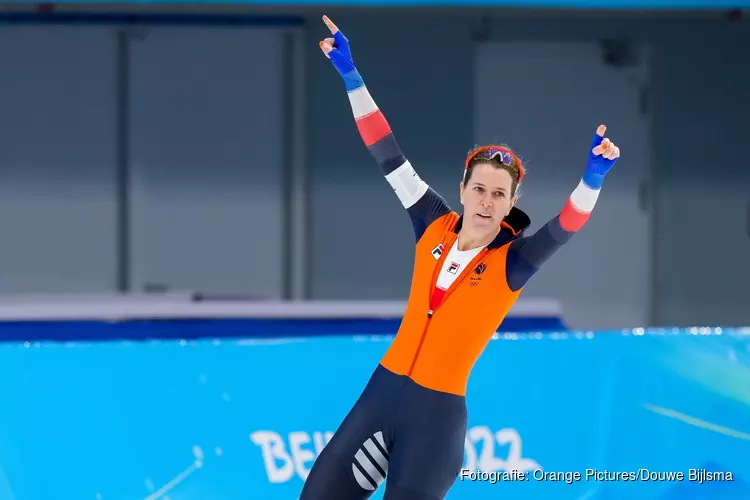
[484, 216]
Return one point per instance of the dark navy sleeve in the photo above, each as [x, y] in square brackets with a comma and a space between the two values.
[527, 255]
[430, 207]
[423, 204]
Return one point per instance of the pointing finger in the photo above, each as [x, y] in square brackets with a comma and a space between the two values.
[601, 130]
[332, 27]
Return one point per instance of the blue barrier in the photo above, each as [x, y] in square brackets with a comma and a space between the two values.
[183, 316]
[604, 416]
[134, 329]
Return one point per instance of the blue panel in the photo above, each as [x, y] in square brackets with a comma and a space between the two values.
[231, 419]
[227, 328]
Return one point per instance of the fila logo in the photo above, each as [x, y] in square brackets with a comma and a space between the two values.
[453, 267]
[438, 251]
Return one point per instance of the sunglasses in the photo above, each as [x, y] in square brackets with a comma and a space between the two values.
[505, 156]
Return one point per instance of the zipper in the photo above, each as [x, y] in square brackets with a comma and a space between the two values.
[421, 341]
[435, 273]
[430, 312]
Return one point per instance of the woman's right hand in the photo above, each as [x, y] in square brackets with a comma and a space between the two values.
[337, 49]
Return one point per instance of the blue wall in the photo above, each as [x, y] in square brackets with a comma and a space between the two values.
[229, 419]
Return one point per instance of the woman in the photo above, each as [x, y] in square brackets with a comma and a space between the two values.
[409, 424]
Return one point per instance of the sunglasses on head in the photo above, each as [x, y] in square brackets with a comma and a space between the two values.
[505, 156]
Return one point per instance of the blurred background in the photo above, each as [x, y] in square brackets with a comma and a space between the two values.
[202, 264]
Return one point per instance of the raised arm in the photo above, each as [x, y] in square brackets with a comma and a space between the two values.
[526, 255]
[423, 204]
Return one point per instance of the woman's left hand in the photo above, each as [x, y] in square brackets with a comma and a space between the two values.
[604, 153]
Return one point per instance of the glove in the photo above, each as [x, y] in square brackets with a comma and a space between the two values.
[337, 49]
[602, 157]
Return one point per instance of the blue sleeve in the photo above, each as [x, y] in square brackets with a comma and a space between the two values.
[422, 203]
[526, 255]
[430, 207]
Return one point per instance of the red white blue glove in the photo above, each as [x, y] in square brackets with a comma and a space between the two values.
[602, 157]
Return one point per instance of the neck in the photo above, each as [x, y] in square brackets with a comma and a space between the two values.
[468, 241]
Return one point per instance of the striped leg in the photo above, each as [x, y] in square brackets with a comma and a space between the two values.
[353, 464]
[370, 464]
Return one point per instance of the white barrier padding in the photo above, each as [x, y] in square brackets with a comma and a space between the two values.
[184, 306]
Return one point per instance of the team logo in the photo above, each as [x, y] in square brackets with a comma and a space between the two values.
[438, 251]
[478, 271]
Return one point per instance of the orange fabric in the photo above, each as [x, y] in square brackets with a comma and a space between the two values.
[440, 352]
